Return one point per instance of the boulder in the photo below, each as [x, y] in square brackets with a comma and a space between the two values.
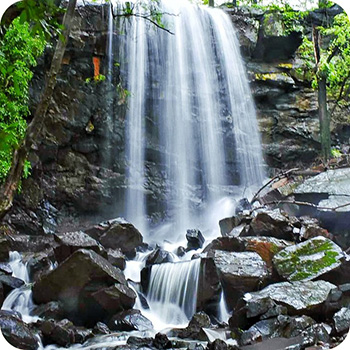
[5, 269]
[240, 272]
[195, 239]
[10, 283]
[341, 320]
[122, 235]
[308, 260]
[272, 223]
[300, 298]
[74, 282]
[52, 310]
[161, 341]
[116, 298]
[38, 264]
[130, 320]
[101, 328]
[70, 242]
[159, 256]
[17, 333]
[4, 249]
[33, 244]
[116, 258]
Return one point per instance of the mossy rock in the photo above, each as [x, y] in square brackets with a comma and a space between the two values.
[308, 260]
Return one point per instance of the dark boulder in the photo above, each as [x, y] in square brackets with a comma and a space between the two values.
[124, 236]
[195, 239]
[52, 310]
[341, 320]
[10, 283]
[242, 205]
[18, 333]
[116, 258]
[130, 320]
[4, 249]
[74, 282]
[38, 264]
[101, 328]
[161, 341]
[159, 256]
[70, 242]
[32, 244]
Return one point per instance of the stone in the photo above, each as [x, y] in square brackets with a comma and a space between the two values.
[161, 341]
[300, 297]
[74, 281]
[17, 333]
[271, 223]
[181, 251]
[341, 320]
[116, 298]
[52, 310]
[124, 236]
[140, 342]
[38, 264]
[195, 239]
[217, 344]
[131, 320]
[10, 283]
[242, 205]
[4, 249]
[199, 320]
[5, 269]
[308, 260]
[32, 244]
[116, 258]
[101, 328]
[240, 272]
[69, 242]
[159, 256]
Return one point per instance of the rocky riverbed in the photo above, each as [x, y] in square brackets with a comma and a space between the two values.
[285, 282]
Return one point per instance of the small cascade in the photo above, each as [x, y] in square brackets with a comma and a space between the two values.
[172, 291]
[223, 313]
[20, 299]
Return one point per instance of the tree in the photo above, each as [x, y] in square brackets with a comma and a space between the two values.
[9, 187]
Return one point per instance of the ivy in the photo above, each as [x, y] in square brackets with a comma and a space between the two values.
[19, 49]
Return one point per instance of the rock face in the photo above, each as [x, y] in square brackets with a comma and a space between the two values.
[308, 260]
[75, 283]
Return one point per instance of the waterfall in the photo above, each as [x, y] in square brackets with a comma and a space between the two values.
[20, 299]
[190, 116]
[172, 291]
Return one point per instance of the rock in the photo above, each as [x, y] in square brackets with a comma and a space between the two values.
[227, 225]
[124, 236]
[5, 269]
[209, 286]
[74, 281]
[10, 283]
[4, 249]
[199, 320]
[51, 310]
[32, 244]
[131, 320]
[17, 333]
[2, 296]
[240, 272]
[217, 344]
[242, 205]
[272, 223]
[116, 298]
[195, 239]
[181, 251]
[101, 328]
[70, 242]
[38, 264]
[116, 258]
[161, 341]
[308, 260]
[304, 297]
[140, 342]
[341, 320]
[159, 256]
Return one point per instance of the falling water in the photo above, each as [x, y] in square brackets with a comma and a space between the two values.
[172, 291]
[190, 100]
[20, 299]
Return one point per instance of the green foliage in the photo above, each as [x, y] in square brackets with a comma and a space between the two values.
[19, 49]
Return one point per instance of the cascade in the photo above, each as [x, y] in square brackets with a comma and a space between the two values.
[190, 118]
[20, 299]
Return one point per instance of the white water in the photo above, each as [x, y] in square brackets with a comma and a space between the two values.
[20, 299]
[187, 90]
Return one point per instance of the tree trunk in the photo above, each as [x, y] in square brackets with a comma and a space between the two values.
[211, 3]
[325, 133]
[9, 188]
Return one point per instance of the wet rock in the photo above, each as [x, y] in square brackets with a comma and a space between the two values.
[116, 258]
[217, 344]
[17, 333]
[277, 343]
[116, 298]
[306, 298]
[158, 256]
[70, 242]
[51, 310]
[227, 225]
[140, 342]
[101, 328]
[74, 281]
[33, 244]
[308, 260]
[2, 297]
[242, 205]
[199, 320]
[240, 272]
[131, 320]
[38, 264]
[5, 269]
[272, 223]
[181, 251]
[10, 283]
[124, 236]
[195, 239]
[161, 341]
[4, 249]
[209, 286]
[341, 320]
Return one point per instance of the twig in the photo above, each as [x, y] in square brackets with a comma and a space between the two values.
[276, 177]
